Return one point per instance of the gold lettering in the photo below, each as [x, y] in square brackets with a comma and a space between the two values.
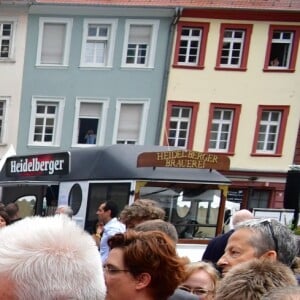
[159, 155]
[201, 164]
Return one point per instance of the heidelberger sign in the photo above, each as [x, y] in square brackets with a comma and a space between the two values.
[183, 159]
[38, 165]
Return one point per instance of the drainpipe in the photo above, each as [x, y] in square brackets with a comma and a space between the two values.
[163, 100]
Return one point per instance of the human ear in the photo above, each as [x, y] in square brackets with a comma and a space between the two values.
[271, 254]
[142, 281]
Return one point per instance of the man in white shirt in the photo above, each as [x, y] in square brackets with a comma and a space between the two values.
[107, 215]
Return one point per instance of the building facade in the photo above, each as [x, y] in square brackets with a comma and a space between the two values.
[93, 75]
[234, 90]
[13, 26]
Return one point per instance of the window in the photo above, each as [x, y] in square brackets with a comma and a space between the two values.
[90, 120]
[7, 32]
[270, 129]
[3, 105]
[54, 41]
[190, 44]
[131, 121]
[234, 46]
[258, 198]
[222, 127]
[46, 121]
[98, 42]
[282, 48]
[140, 43]
[180, 124]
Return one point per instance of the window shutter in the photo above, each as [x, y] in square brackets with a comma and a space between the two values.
[53, 44]
[130, 121]
[139, 34]
[90, 110]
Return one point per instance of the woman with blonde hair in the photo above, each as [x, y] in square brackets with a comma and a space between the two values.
[201, 280]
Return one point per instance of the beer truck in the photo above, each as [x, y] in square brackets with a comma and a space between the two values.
[187, 184]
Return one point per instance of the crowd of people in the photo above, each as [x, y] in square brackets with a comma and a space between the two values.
[132, 255]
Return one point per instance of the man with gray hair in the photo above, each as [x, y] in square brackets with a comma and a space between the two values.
[259, 238]
[215, 248]
[64, 209]
[49, 258]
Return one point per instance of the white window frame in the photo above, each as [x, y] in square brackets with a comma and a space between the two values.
[178, 121]
[4, 119]
[60, 102]
[220, 122]
[153, 42]
[268, 123]
[12, 21]
[69, 24]
[190, 38]
[146, 106]
[112, 23]
[288, 42]
[231, 41]
[104, 102]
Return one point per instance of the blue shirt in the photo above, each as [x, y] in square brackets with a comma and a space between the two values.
[111, 228]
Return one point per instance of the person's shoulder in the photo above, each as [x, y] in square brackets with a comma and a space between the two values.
[115, 226]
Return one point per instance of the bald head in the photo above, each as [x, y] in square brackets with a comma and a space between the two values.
[241, 216]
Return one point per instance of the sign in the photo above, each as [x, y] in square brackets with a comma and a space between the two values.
[38, 165]
[183, 159]
[235, 195]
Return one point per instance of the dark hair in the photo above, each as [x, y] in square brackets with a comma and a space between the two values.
[5, 216]
[113, 207]
[12, 209]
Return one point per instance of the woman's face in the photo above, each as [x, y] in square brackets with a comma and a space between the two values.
[119, 282]
[2, 222]
[201, 280]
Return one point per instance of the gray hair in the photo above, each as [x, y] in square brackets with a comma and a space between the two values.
[160, 225]
[51, 258]
[251, 280]
[272, 235]
[241, 216]
[65, 209]
[286, 293]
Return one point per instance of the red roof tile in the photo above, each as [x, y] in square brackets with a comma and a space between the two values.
[290, 5]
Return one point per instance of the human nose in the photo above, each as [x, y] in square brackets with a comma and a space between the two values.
[222, 261]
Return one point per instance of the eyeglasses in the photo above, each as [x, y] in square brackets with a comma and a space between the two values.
[109, 269]
[196, 291]
[268, 223]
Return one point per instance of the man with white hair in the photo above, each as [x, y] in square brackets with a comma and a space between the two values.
[215, 248]
[49, 258]
[64, 209]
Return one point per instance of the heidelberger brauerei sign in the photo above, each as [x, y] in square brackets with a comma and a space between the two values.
[183, 159]
[38, 165]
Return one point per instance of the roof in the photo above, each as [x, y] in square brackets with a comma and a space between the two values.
[119, 162]
[287, 5]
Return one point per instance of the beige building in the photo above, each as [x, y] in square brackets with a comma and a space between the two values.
[13, 26]
[234, 89]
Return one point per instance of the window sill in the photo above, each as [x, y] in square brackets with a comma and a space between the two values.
[273, 70]
[240, 69]
[230, 153]
[42, 146]
[188, 67]
[266, 154]
[7, 60]
[51, 67]
[137, 68]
